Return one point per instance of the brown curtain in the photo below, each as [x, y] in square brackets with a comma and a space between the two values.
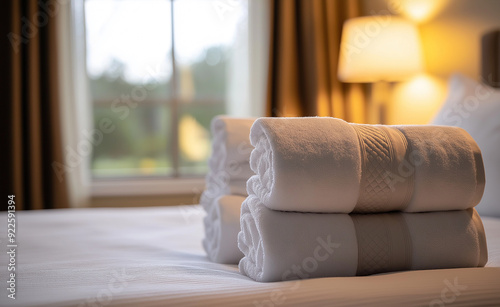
[305, 43]
[30, 116]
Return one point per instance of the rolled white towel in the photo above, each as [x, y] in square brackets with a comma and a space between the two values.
[222, 224]
[363, 168]
[217, 186]
[231, 147]
[293, 245]
[229, 167]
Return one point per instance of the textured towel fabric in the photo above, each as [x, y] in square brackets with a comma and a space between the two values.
[218, 185]
[222, 225]
[235, 176]
[363, 168]
[229, 167]
[231, 146]
[483, 124]
[229, 170]
[293, 245]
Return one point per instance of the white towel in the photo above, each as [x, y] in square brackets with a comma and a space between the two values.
[363, 168]
[221, 180]
[222, 224]
[229, 169]
[217, 186]
[231, 146]
[293, 245]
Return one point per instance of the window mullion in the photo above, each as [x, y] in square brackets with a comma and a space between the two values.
[174, 140]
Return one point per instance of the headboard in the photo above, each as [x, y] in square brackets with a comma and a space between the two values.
[490, 58]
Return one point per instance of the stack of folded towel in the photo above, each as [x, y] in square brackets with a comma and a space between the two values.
[226, 187]
[331, 198]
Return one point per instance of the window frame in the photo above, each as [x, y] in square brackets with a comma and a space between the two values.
[142, 186]
[160, 184]
[251, 104]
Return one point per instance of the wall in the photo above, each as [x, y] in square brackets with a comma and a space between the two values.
[450, 31]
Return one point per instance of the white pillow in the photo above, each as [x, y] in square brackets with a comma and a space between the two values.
[475, 107]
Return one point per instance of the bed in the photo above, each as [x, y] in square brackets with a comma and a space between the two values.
[153, 257]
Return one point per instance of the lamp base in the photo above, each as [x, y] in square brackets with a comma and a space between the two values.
[378, 102]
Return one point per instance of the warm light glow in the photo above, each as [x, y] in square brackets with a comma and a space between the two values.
[193, 139]
[147, 166]
[356, 104]
[417, 100]
[420, 10]
[187, 89]
[379, 48]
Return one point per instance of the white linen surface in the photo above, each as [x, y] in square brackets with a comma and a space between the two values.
[154, 257]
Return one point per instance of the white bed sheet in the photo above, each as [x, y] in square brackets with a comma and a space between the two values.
[154, 257]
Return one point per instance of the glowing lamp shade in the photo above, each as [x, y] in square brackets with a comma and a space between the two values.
[379, 48]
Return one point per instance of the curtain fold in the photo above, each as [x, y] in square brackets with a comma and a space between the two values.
[32, 116]
[304, 51]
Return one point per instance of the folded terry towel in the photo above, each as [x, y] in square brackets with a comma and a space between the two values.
[363, 168]
[217, 186]
[229, 167]
[293, 245]
[222, 224]
[229, 170]
[231, 146]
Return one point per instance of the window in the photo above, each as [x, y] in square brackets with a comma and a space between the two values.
[158, 72]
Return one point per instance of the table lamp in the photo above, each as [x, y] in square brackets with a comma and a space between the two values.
[379, 50]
